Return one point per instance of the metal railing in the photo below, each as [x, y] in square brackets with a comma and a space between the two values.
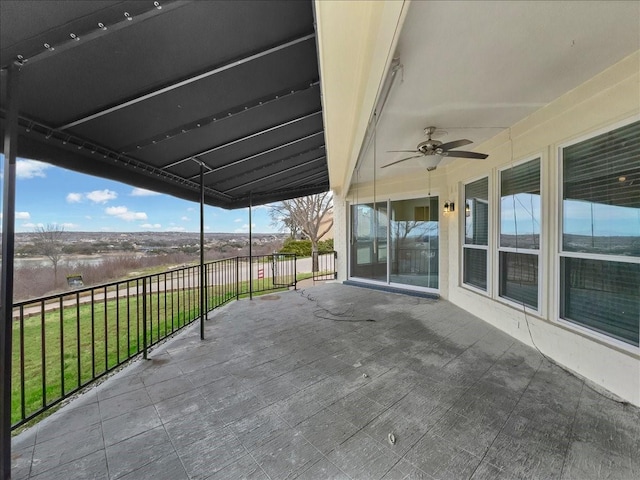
[64, 342]
[324, 266]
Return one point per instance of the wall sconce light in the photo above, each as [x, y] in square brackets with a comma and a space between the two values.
[467, 210]
[449, 207]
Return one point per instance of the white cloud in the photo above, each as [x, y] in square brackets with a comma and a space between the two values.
[74, 197]
[237, 220]
[88, 217]
[32, 225]
[69, 225]
[150, 225]
[175, 229]
[102, 196]
[142, 192]
[244, 228]
[23, 215]
[26, 169]
[125, 214]
[191, 209]
[184, 219]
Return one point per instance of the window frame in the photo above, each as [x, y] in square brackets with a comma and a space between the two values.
[561, 253]
[526, 251]
[487, 248]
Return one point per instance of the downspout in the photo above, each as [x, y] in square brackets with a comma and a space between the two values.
[6, 286]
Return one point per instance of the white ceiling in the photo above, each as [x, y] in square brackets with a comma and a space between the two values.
[474, 68]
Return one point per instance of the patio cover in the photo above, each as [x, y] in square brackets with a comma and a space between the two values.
[142, 92]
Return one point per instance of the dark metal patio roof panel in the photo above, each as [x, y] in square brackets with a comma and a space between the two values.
[263, 143]
[154, 53]
[136, 91]
[223, 92]
[228, 129]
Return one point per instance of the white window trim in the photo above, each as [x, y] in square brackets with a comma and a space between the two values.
[463, 245]
[573, 325]
[539, 251]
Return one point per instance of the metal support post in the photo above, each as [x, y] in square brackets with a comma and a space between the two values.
[203, 290]
[6, 285]
[250, 248]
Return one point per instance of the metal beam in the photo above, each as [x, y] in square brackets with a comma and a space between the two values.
[6, 280]
[101, 31]
[221, 116]
[300, 178]
[190, 80]
[276, 174]
[243, 139]
[264, 152]
[286, 160]
[317, 175]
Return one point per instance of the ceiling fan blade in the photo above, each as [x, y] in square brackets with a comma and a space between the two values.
[403, 151]
[463, 154]
[455, 144]
[401, 160]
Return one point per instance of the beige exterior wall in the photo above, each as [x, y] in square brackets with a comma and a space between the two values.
[604, 102]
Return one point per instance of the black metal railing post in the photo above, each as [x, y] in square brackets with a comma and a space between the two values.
[237, 278]
[48, 322]
[144, 318]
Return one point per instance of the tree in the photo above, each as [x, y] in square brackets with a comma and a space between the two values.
[312, 216]
[49, 243]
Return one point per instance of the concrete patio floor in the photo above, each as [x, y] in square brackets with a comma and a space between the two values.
[315, 384]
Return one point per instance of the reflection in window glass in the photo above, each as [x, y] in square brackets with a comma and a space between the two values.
[414, 242]
[604, 296]
[369, 241]
[476, 233]
[601, 218]
[475, 268]
[520, 233]
[520, 206]
[476, 218]
[519, 278]
[601, 193]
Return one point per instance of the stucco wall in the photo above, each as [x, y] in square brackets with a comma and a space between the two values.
[610, 98]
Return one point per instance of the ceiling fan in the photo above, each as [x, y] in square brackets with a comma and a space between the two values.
[434, 147]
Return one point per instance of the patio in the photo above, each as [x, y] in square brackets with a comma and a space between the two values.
[337, 382]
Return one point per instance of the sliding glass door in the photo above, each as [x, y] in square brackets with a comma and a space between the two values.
[414, 242]
[413, 232]
[369, 241]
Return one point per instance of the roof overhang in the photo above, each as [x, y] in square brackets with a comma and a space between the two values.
[148, 93]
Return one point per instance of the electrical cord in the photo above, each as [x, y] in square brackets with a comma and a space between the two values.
[346, 316]
[585, 382]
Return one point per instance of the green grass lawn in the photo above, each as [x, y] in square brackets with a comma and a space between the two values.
[62, 349]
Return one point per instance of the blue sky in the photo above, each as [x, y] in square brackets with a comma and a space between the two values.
[46, 194]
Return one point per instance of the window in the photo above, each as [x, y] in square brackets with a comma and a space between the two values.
[519, 243]
[476, 234]
[600, 254]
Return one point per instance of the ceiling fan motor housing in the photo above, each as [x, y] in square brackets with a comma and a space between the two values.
[429, 147]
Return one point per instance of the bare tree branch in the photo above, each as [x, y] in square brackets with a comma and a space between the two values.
[311, 216]
[49, 243]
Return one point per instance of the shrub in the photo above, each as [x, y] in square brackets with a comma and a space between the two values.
[302, 248]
